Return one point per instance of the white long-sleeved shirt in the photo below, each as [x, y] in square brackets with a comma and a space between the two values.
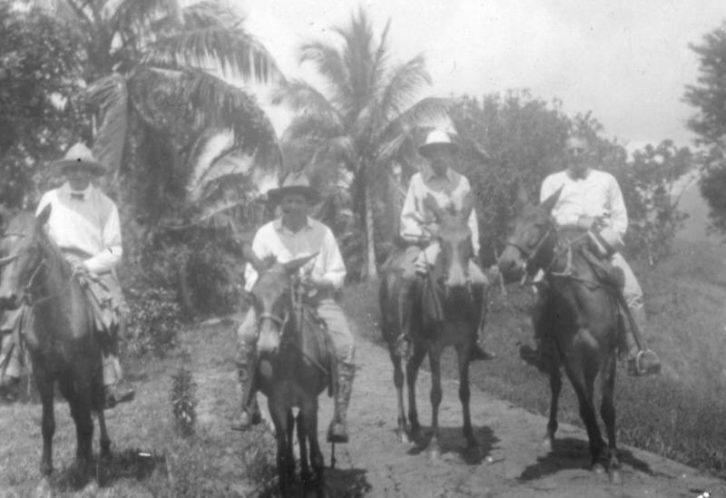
[447, 191]
[273, 239]
[87, 228]
[597, 194]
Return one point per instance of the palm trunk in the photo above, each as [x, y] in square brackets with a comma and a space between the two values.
[371, 269]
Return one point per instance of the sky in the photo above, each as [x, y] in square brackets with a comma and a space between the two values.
[627, 61]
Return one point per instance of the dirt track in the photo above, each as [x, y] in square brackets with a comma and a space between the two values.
[512, 462]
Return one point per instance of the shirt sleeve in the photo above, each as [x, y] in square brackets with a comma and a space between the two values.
[410, 215]
[330, 261]
[44, 201]
[259, 247]
[112, 252]
[618, 211]
[473, 220]
[563, 217]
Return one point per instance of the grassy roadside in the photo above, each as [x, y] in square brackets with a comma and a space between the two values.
[678, 414]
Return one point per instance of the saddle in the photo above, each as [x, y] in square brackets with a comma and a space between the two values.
[605, 273]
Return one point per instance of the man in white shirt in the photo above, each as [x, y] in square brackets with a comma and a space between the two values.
[289, 237]
[448, 188]
[84, 223]
[591, 199]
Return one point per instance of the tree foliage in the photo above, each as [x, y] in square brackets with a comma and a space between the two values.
[708, 96]
[40, 71]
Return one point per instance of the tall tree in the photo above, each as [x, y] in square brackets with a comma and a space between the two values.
[39, 78]
[365, 114]
[708, 96]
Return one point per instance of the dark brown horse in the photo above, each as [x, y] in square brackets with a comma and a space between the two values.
[444, 312]
[578, 314]
[294, 365]
[57, 330]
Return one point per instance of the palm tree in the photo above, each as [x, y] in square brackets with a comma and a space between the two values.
[365, 116]
[155, 82]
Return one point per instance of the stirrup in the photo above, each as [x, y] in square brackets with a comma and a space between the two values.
[246, 420]
[644, 362]
[337, 432]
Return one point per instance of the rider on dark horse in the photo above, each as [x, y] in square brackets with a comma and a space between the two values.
[289, 237]
[84, 223]
[448, 188]
[591, 200]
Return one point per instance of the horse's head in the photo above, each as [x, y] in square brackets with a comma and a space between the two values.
[21, 247]
[271, 298]
[454, 237]
[534, 228]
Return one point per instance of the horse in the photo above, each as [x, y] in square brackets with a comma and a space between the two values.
[577, 314]
[443, 312]
[58, 331]
[294, 364]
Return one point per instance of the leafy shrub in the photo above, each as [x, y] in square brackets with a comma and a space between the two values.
[183, 399]
[153, 321]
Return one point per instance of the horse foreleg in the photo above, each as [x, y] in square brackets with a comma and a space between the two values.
[316, 455]
[402, 428]
[607, 412]
[555, 389]
[104, 441]
[302, 439]
[435, 364]
[411, 374]
[463, 355]
[583, 386]
[45, 389]
[285, 466]
[81, 412]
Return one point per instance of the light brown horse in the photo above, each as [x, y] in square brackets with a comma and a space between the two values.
[578, 314]
[444, 312]
[58, 332]
[294, 364]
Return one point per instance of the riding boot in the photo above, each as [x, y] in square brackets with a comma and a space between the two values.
[116, 389]
[248, 414]
[338, 430]
[641, 360]
[478, 352]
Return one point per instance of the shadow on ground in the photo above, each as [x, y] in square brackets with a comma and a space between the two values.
[451, 440]
[339, 483]
[572, 453]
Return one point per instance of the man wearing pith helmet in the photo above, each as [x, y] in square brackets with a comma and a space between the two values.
[449, 188]
[591, 199]
[84, 223]
[294, 235]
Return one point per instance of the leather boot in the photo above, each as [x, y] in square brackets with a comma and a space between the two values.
[641, 361]
[246, 416]
[338, 430]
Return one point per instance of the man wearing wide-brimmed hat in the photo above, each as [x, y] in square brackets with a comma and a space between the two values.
[293, 235]
[448, 188]
[84, 223]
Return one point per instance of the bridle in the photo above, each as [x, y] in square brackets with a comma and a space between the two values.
[531, 254]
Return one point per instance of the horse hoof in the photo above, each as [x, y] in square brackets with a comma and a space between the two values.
[598, 469]
[616, 478]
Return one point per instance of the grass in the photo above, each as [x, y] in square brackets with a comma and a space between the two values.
[677, 414]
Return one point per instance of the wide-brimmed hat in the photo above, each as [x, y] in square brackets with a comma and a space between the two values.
[79, 155]
[437, 139]
[294, 183]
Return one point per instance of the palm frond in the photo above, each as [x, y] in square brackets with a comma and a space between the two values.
[426, 112]
[110, 96]
[329, 63]
[310, 125]
[213, 39]
[304, 98]
[127, 16]
[405, 82]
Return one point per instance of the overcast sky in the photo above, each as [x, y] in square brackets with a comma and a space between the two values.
[627, 61]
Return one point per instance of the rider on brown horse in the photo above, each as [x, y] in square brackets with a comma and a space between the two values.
[591, 199]
[289, 237]
[448, 188]
[84, 223]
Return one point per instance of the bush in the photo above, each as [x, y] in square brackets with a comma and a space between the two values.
[183, 399]
[153, 321]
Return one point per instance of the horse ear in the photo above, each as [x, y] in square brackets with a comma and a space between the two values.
[296, 264]
[43, 216]
[430, 203]
[550, 202]
[522, 197]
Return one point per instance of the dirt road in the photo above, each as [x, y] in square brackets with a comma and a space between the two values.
[375, 463]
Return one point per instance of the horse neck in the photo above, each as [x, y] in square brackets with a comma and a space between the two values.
[55, 280]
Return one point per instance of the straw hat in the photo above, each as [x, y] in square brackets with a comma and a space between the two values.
[436, 139]
[295, 183]
[79, 155]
